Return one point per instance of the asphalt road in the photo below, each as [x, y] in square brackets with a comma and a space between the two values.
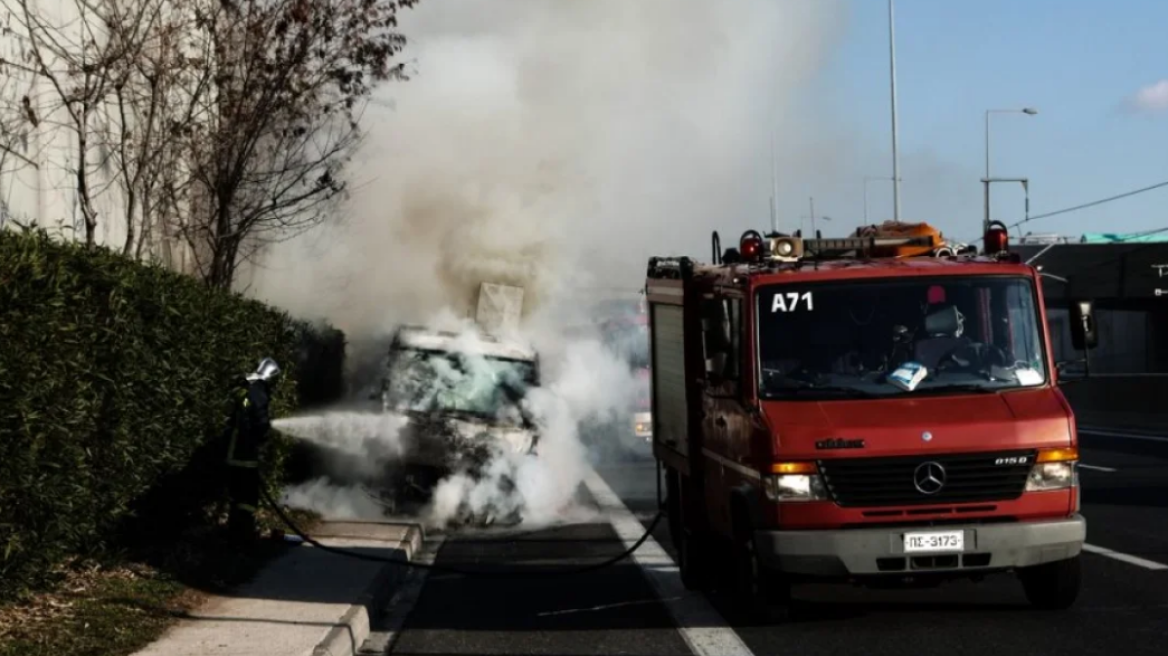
[638, 607]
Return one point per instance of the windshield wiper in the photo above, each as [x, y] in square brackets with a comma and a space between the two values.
[956, 387]
[833, 390]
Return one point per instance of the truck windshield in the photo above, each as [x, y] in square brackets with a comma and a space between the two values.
[437, 381]
[843, 340]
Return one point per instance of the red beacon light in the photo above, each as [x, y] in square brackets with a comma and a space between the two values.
[997, 240]
[750, 245]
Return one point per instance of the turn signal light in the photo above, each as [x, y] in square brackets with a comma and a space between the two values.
[794, 468]
[1064, 454]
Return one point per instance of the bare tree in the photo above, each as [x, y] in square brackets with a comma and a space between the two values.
[151, 114]
[280, 120]
[83, 54]
[18, 120]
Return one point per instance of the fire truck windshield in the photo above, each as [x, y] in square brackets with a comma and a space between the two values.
[854, 339]
[435, 381]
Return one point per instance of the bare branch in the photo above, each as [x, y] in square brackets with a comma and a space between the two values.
[281, 123]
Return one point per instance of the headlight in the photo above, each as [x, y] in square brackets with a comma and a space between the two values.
[1051, 476]
[1055, 470]
[795, 481]
[796, 487]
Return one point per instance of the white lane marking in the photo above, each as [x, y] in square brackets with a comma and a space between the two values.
[1098, 468]
[1127, 436]
[1127, 558]
[702, 628]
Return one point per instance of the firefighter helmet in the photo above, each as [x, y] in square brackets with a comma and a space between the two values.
[266, 371]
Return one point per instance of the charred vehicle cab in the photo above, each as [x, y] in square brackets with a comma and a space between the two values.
[877, 409]
[462, 396]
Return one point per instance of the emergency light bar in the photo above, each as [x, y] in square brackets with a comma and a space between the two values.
[792, 249]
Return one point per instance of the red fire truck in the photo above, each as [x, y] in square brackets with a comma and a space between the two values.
[881, 409]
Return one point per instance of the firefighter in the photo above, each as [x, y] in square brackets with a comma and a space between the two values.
[249, 428]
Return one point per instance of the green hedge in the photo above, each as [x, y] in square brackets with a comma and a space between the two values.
[114, 388]
[322, 352]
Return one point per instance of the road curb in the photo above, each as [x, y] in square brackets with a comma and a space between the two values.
[353, 628]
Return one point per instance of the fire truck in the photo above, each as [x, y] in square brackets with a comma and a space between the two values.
[882, 409]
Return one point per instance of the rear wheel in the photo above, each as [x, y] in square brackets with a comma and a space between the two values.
[1052, 586]
[673, 506]
[693, 562]
[693, 557]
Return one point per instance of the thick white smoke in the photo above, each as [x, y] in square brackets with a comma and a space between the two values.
[587, 384]
[554, 145]
[584, 382]
[557, 145]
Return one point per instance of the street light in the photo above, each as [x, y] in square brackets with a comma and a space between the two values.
[812, 216]
[892, 79]
[1029, 111]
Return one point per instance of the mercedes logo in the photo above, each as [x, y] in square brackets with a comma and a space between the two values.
[929, 477]
[926, 436]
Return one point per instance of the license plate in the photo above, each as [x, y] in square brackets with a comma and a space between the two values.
[944, 541]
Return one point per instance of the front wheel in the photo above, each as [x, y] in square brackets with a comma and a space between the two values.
[1052, 586]
[761, 591]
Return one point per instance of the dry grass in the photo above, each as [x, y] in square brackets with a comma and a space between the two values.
[117, 607]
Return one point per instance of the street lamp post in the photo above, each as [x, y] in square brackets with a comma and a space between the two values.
[892, 76]
[1030, 111]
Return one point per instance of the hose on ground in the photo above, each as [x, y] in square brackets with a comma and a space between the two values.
[502, 573]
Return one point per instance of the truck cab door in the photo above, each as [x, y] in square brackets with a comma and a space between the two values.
[725, 424]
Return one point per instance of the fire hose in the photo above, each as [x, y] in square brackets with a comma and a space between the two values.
[505, 573]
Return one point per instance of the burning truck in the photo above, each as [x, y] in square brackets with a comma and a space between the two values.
[461, 396]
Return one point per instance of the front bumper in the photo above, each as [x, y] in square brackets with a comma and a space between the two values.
[880, 551]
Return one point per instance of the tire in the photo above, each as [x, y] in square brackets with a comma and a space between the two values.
[693, 556]
[760, 591]
[1052, 586]
[673, 507]
[693, 562]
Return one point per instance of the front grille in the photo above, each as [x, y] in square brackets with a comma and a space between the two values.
[969, 478]
[930, 523]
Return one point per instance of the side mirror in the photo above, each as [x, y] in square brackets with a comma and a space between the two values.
[1084, 334]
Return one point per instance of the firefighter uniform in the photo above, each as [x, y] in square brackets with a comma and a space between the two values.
[250, 424]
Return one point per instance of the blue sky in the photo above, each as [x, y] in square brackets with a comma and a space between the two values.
[1079, 62]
